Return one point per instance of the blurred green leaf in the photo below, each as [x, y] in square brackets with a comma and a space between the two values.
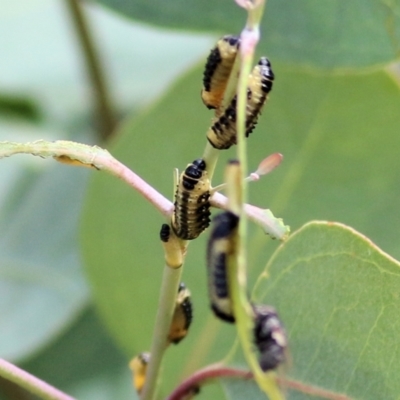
[42, 60]
[41, 285]
[18, 107]
[92, 368]
[241, 389]
[328, 34]
[338, 295]
[339, 136]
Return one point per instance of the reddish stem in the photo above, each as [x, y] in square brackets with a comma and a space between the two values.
[216, 371]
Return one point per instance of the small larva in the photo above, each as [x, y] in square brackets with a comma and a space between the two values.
[217, 70]
[222, 134]
[165, 231]
[138, 365]
[220, 246]
[269, 337]
[192, 208]
[182, 317]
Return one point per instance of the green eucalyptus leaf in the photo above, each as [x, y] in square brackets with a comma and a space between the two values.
[328, 34]
[40, 278]
[338, 295]
[236, 389]
[58, 85]
[92, 368]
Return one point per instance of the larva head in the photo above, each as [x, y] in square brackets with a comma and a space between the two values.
[232, 40]
[195, 169]
[200, 164]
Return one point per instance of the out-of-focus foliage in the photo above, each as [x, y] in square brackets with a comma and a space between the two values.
[325, 34]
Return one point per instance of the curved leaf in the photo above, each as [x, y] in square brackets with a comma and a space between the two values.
[338, 295]
[327, 34]
[92, 368]
[40, 278]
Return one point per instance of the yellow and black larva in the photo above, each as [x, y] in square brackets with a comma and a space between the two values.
[221, 244]
[222, 134]
[269, 337]
[182, 317]
[138, 365]
[218, 69]
[192, 207]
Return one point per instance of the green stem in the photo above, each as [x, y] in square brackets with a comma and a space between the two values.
[210, 156]
[166, 306]
[238, 278]
[31, 383]
[101, 96]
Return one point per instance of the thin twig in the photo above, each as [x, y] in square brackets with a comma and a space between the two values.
[217, 371]
[311, 390]
[166, 305]
[30, 382]
[89, 156]
[199, 378]
[105, 115]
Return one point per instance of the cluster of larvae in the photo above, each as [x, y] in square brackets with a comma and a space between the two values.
[192, 210]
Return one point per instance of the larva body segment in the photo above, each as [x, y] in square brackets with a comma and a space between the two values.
[223, 133]
[183, 315]
[260, 84]
[269, 337]
[138, 365]
[221, 245]
[192, 208]
[218, 69]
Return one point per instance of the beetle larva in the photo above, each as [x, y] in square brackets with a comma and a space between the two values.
[223, 133]
[218, 69]
[269, 337]
[138, 365]
[183, 315]
[220, 246]
[192, 208]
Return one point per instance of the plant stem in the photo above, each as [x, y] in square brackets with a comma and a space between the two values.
[218, 371]
[199, 378]
[105, 116]
[30, 382]
[89, 156]
[166, 306]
